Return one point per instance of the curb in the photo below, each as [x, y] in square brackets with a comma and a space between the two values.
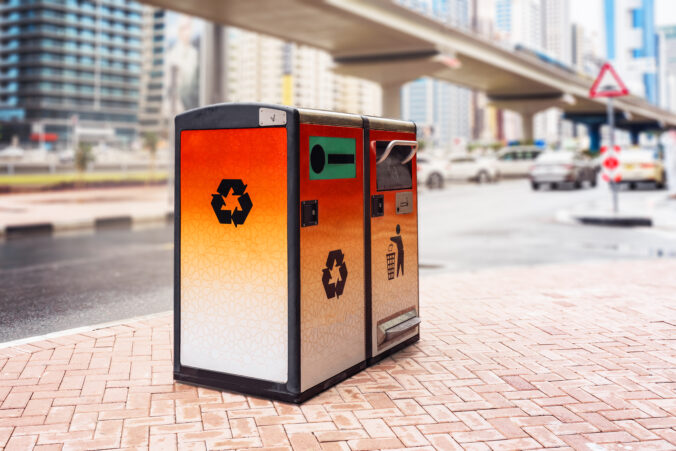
[101, 223]
[603, 219]
[615, 221]
[82, 329]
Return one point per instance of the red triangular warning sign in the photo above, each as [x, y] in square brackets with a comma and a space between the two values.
[608, 84]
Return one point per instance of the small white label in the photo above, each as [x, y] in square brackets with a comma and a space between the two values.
[269, 116]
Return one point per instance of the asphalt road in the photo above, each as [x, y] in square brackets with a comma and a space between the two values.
[51, 284]
[469, 227]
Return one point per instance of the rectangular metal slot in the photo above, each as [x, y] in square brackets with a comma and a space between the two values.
[309, 212]
[396, 327]
[404, 202]
[377, 205]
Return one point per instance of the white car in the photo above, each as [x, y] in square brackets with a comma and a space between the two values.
[12, 152]
[562, 167]
[469, 167]
[516, 161]
[431, 172]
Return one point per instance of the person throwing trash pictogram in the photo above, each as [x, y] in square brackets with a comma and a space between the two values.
[400, 250]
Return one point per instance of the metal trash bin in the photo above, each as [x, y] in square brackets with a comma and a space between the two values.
[272, 288]
[393, 232]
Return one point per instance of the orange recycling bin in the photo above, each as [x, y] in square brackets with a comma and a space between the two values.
[291, 228]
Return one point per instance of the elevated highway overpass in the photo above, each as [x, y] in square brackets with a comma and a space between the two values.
[390, 44]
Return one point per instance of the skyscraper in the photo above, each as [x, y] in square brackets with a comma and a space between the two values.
[520, 22]
[557, 29]
[667, 67]
[152, 89]
[442, 110]
[69, 65]
[261, 68]
[631, 44]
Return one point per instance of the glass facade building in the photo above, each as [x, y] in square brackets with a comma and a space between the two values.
[71, 63]
[631, 44]
[151, 117]
[442, 110]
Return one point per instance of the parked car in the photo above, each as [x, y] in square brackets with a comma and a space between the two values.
[469, 167]
[12, 152]
[516, 161]
[431, 172]
[558, 168]
[642, 165]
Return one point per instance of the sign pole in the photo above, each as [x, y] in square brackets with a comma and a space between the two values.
[611, 124]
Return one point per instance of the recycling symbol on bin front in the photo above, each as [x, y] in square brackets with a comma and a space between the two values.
[231, 213]
[335, 274]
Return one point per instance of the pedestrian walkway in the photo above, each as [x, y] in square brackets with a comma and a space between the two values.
[74, 209]
[562, 357]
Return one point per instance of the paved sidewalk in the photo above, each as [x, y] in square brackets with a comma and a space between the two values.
[86, 208]
[571, 356]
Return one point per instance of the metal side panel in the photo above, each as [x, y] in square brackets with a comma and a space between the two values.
[233, 258]
[331, 252]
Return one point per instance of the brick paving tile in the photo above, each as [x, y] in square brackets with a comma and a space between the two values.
[500, 366]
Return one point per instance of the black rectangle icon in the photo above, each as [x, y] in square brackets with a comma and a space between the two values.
[340, 158]
[309, 213]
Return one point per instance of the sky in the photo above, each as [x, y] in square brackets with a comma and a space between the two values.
[589, 14]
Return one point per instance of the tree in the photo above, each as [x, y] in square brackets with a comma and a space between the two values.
[150, 141]
[83, 156]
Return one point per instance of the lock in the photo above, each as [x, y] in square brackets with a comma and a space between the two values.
[377, 205]
[309, 213]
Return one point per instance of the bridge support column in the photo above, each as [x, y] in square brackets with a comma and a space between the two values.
[527, 126]
[528, 105]
[213, 76]
[594, 132]
[634, 135]
[392, 100]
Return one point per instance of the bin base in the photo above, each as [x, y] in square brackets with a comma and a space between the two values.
[274, 390]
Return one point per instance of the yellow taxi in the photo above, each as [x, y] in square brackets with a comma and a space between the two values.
[642, 165]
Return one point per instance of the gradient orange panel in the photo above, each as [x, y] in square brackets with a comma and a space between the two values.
[332, 330]
[234, 279]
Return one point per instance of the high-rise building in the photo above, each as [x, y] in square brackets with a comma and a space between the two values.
[584, 57]
[557, 29]
[442, 110]
[67, 65]
[667, 67]
[631, 44]
[520, 22]
[260, 68]
[152, 89]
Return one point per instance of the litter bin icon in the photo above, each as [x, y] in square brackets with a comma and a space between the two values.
[274, 249]
[390, 257]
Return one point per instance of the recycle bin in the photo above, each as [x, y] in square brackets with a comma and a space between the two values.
[273, 249]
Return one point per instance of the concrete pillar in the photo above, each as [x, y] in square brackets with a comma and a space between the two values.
[527, 126]
[594, 131]
[213, 76]
[392, 100]
[634, 134]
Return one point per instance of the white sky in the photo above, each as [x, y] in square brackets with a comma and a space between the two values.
[589, 14]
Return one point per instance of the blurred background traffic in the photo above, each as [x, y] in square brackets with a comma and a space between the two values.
[509, 138]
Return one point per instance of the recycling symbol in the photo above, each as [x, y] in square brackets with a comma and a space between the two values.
[334, 263]
[232, 215]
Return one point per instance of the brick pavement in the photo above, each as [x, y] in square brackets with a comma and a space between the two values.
[559, 357]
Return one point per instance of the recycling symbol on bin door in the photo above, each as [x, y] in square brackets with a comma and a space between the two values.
[221, 202]
[335, 274]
